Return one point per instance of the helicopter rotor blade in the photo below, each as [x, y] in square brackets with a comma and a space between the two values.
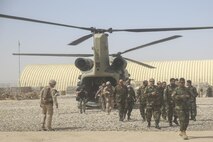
[56, 55]
[43, 22]
[79, 40]
[161, 29]
[152, 43]
[110, 30]
[140, 63]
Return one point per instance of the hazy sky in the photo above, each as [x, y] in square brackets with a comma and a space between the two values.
[42, 38]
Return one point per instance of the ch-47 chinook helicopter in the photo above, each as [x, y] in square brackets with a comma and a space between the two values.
[101, 69]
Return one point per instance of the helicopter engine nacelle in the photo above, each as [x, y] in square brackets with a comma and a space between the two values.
[119, 63]
[84, 64]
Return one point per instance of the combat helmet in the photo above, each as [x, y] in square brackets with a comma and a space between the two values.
[53, 82]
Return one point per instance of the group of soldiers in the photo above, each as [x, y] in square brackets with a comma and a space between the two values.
[173, 101]
[121, 96]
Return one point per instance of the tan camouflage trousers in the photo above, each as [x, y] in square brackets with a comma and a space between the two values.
[47, 112]
[109, 104]
[103, 102]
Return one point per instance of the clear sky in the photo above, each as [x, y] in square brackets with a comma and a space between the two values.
[119, 14]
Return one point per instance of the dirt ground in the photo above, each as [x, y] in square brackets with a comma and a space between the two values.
[101, 136]
[20, 122]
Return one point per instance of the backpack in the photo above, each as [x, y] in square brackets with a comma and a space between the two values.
[46, 96]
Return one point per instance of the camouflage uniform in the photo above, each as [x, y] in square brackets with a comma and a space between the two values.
[153, 104]
[193, 107]
[142, 101]
[161, 93]
[170, 104]
[130, 101]
[101, 96]
[47, 99]
[181, 96]
[82, 96]
[108, 94]
[121, 93]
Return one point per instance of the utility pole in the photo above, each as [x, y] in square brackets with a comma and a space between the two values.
[19, 68]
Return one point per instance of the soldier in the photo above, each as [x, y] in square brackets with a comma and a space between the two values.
[163, 109]
[209, 91]
[142, 99]
[82, 96]
[170, 104]
[161, 87]
[181, 96]
[130, 101]
[153, 103]
[194, 94]
[47, 99]
[177, 81]
[101, 95]
[121, 93]
[201, 92]
[108, 93]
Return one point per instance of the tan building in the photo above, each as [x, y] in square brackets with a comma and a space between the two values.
[199, 71]
[39, 75]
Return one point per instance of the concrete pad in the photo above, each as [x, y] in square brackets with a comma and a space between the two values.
[104, 136]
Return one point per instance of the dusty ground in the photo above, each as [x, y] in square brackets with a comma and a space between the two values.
[25, 115]
[20, 120]
[104, 136]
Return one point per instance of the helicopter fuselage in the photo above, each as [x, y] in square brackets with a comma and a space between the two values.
[101, 70]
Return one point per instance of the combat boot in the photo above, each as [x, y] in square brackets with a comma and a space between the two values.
[121, 119]
[149, 124]
[50, 129]
[170, 124]
[185, 137]
[43, 128]
[193, 118]
[181, 133]
[128, 118]
[157, 126]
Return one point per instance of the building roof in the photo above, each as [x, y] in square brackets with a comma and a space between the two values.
[67, 75]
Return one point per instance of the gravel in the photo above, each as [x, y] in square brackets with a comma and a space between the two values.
[25, 115]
